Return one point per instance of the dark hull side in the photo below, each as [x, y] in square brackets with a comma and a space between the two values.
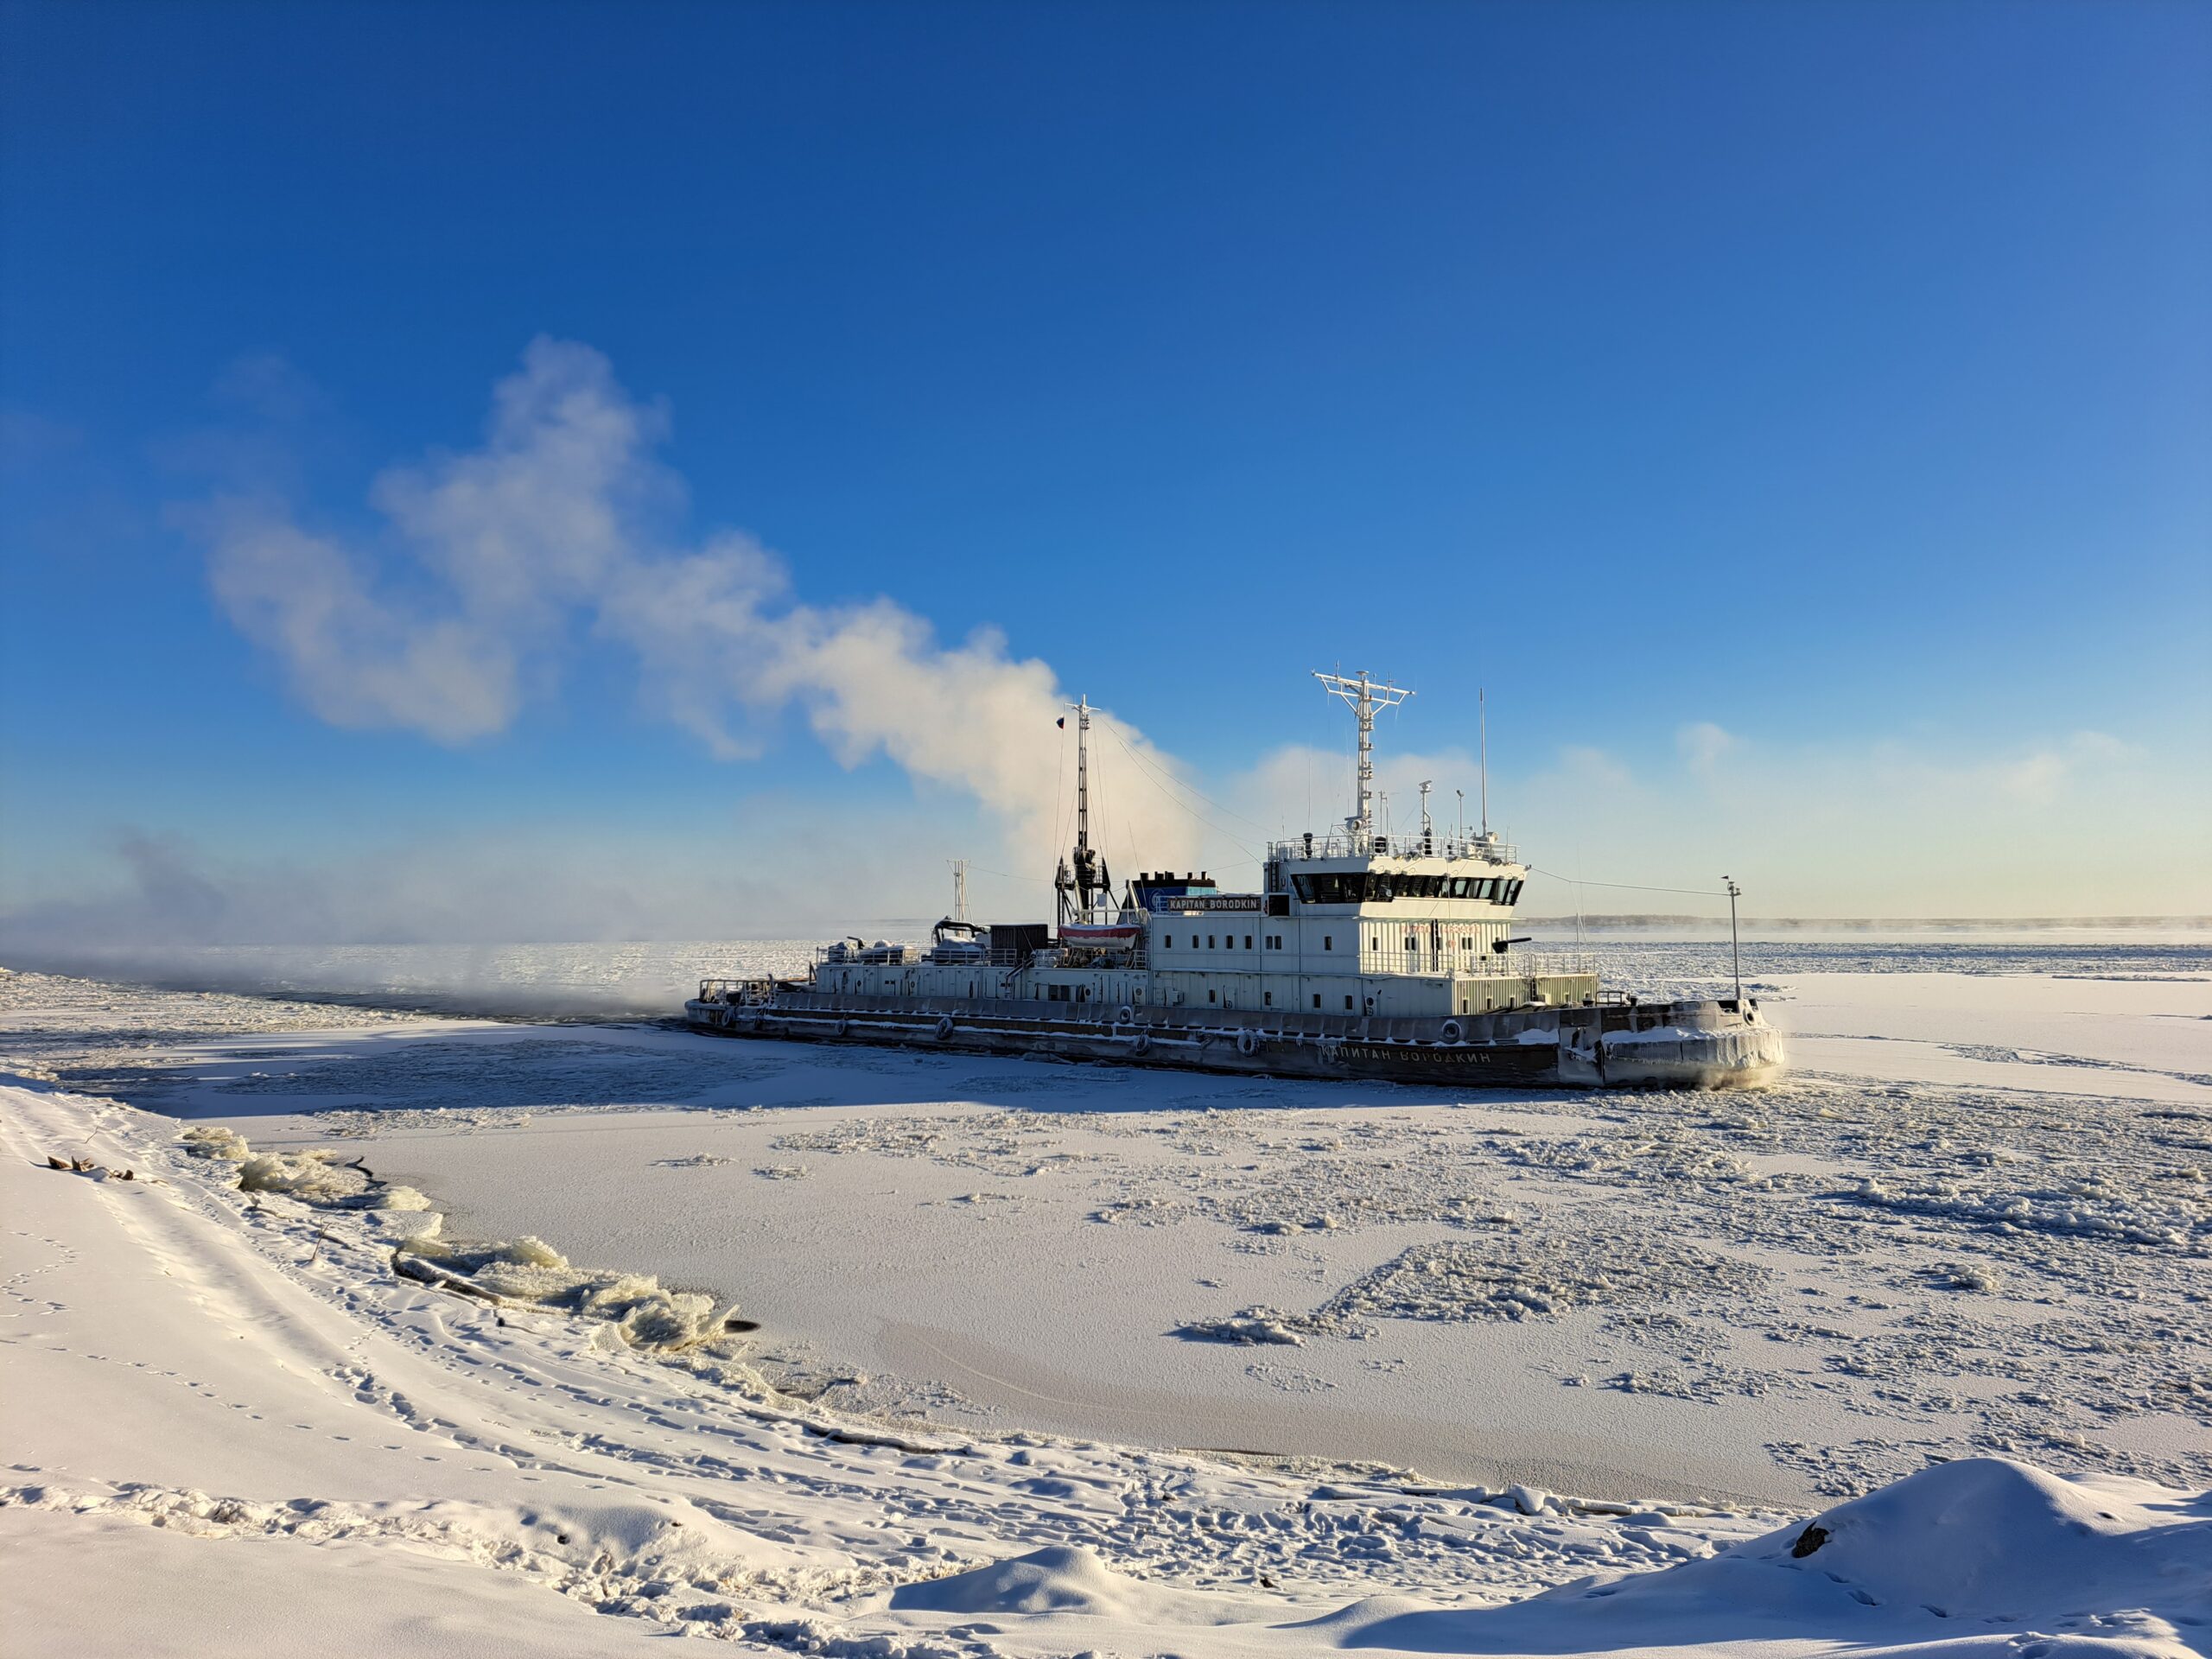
[1536, 1057]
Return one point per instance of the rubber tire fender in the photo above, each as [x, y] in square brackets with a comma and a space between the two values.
[1125, 1016]
[1142, 1044]
[943, 1027]
[1452, 1032]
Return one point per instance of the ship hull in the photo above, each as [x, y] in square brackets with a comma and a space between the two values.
[1678, 1045]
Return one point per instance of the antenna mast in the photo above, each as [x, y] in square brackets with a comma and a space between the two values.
[1364, 696]
[959, 889]
[1482, 718]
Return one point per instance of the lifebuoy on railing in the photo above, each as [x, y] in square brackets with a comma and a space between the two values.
[943, 1027]
[1247, 1044]
[1451, 1033]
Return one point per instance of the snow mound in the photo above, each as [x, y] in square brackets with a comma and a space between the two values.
[1983, 1555]
[1989, 1538]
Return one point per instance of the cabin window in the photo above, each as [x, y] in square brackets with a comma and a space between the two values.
[1167, 941]
[1209, 996]
[1347, 1005]
[1209, 941]
[1317, 999]
[1328, 942]
[1248, 941]
[1267, 999]
[1412, 942]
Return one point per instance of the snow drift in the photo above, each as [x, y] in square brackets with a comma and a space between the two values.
[1982, 1554]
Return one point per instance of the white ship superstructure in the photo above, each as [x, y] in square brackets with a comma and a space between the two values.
[1360, 951]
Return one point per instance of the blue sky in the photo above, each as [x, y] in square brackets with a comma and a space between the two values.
[1798, 417]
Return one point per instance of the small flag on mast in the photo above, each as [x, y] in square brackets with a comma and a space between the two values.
[1062, 722]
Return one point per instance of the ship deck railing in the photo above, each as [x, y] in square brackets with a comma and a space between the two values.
[1386, 846]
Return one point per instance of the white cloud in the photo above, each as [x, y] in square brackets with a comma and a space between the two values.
[496, 559]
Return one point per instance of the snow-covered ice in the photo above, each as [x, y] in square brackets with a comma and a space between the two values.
[462, 1332]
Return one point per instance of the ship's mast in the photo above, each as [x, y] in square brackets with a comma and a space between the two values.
[1081, 778]
[1365, 696]
[1089, 874]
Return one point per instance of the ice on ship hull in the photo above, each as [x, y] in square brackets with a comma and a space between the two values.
[1683, 1045]
[1361, 955]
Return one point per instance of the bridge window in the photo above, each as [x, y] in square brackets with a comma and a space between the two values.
[1380, 887]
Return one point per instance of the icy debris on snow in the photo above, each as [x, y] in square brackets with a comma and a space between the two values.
[1253, 1326]
[215, 1140]
[637, 1307]
[317, 1177]
[1514, 1276]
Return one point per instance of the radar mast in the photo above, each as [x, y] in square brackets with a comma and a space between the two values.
[1364, 696]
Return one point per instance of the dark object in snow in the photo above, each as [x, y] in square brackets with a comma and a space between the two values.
[1809, 1541]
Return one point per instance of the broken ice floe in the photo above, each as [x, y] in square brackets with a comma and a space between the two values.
[1514, 1276]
